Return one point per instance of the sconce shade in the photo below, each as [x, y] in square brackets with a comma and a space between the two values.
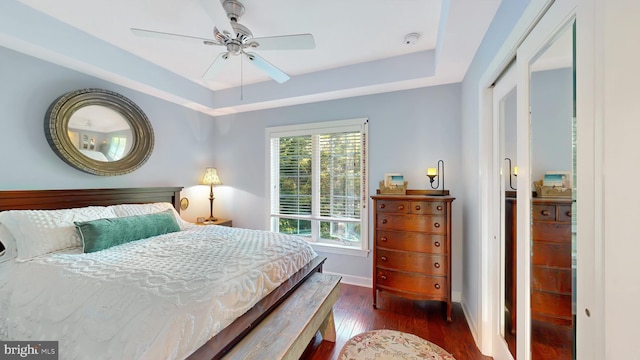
[432, 171]
[515, 170]
[211, 177]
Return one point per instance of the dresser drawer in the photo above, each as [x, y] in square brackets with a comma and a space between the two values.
[412, 241]
[555, 280]
[428, 207]
[412, 283]
[553, 232]
[564, 213]
[543, 212]
[393, 206]
[427, 223]
[411, 261]
[551, 254]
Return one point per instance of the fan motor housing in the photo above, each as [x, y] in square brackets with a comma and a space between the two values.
[234, 9]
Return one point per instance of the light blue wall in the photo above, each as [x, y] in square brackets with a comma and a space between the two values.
[29, 86]
[551, 114]
[408, 132]
[506, 17]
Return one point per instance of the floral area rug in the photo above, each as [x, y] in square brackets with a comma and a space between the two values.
[391, 344]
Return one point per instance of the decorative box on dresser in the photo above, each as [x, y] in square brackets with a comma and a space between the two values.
[551, 285]
[412, 247]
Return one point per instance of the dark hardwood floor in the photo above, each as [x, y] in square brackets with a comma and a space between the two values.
[354, 314]
[550, 341]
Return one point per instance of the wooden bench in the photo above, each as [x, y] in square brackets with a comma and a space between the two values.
[287, 331]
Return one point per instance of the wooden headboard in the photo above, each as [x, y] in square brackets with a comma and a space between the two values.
[73, 198]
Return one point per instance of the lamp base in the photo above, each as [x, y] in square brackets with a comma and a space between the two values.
[210, 219]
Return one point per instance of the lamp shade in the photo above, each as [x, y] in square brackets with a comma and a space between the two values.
[211, 177]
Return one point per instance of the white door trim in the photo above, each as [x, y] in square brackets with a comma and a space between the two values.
[501, 60]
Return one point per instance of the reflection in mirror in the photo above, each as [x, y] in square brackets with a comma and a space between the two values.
[508, 253]
[100, 133]
[552, 218]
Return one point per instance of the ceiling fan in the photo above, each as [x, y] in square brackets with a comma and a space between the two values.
[237, 38]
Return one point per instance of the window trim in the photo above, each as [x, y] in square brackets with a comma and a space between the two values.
[323, 127]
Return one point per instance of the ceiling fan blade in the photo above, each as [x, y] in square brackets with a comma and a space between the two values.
[218, 64]
[219, 16]
[262, 64]
[286, 42]
[170, 36]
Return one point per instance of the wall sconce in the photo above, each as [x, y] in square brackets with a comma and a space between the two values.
[211, 178]
[432, 173]
[515, 173]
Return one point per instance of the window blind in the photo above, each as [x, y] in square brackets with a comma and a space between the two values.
[318, 182]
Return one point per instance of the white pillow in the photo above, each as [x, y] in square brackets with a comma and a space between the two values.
[39, 232]
[9, 243]
[150, 208]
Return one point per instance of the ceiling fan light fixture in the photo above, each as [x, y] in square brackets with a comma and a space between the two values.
[237, 38]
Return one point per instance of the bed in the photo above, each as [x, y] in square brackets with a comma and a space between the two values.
[166, 312]
[95, 155]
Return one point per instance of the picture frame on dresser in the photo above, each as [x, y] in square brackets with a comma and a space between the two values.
[412, 246]
[393, 179]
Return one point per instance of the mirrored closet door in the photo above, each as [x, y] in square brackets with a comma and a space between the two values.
[546, 217]
[505, 160]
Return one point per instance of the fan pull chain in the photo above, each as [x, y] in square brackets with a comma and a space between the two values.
[241, 77]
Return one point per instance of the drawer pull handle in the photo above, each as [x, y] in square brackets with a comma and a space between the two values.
[437, 265]
[382, 206]
[383, 277]
[400, 207]
[544, 213]
[436, 225]
[383, 239]
[437, 286]
[383, 258]
[437, 243]
[384, 221]
[568, 213]
[417, 207]
[439, 207]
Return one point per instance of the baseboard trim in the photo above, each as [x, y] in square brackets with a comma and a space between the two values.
[473, 327]
[353, 280]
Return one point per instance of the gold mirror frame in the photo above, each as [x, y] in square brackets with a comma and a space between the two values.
[56, 125]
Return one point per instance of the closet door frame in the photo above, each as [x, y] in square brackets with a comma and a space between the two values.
[590, 337]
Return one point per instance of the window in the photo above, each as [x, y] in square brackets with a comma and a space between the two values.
[116, 149]
[318, 182]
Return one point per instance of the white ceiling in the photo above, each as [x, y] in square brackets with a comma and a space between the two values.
[360, 46]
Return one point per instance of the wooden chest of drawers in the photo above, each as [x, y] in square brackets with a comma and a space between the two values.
[551, 286]
[412, 250]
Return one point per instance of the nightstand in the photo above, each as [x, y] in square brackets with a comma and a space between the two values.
[221, 222]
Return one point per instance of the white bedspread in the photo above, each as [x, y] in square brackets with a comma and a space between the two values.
[157, 298]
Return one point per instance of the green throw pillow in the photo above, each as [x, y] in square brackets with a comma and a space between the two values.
[104, 233]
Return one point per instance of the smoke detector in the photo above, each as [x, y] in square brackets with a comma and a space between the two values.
[411, 38]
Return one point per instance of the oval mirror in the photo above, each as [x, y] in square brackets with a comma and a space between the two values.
[99, 132]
